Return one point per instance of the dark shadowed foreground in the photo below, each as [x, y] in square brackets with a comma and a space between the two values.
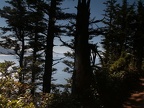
[136, 100]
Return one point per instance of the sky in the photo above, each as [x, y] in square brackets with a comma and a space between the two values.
[97, 7]
[96, 10]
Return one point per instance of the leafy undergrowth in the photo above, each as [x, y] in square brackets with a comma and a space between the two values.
[115, 88]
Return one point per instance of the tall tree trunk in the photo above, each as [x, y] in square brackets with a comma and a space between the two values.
[49, 49]
[139, 54]
[21, 73]
[21, 36]
[34, 62]
[82, 73]
[21, 59]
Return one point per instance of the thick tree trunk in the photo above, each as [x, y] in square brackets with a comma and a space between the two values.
[139, 57]
[49, 49]
[82, 73]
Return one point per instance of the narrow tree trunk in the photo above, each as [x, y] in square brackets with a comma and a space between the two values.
[34, 62]
[21, 59]
[20, 37]
[49, 49]
[21, 74]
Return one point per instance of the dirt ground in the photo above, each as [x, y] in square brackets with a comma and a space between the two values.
[136, 99]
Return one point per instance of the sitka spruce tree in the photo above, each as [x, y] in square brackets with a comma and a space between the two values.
[121, 49]
[15, 16]
[118, 31]
[36, 40]
[49, 47]
[25, 26]
[138, 37]
[82, 75]
[55, 14]
[31, 31]
[109, 38]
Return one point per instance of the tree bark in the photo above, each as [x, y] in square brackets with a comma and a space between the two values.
[49, 49]
[82, 74]
[34, 61]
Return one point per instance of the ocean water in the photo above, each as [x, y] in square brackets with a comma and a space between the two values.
[59, 75]
[8, 58]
